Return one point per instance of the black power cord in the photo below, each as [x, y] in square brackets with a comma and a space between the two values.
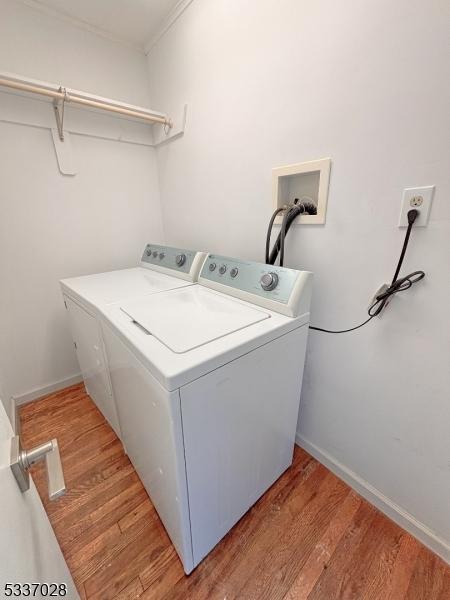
[396, 286]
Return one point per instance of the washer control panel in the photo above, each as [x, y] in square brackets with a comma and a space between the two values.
[178, 259]
[266, 281]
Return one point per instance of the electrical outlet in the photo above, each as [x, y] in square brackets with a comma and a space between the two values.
[416, 201]
[420, 199]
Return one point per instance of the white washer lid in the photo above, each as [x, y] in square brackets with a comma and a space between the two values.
[190, 317]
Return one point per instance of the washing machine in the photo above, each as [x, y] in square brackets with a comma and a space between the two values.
[207, 381]
[161, 268]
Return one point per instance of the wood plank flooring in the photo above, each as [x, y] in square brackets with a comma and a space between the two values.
[309, 538]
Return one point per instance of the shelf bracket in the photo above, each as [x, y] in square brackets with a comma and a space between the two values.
[58, 107]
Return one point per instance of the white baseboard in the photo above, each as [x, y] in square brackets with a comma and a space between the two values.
[14, 416]
[379, 500]
[47, 389]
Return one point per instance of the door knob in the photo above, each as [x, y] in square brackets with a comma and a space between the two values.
[22, 460]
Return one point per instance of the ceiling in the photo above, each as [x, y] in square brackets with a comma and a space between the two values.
[133, 21]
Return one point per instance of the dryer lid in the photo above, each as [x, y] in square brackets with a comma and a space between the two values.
[120, 286]
[190, 317]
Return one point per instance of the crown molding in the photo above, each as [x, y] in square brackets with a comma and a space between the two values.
[171, 18]
[80, 24]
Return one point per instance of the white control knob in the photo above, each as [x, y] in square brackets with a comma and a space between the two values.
[269, 281]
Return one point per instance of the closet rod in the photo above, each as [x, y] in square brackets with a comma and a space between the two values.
[75, 98]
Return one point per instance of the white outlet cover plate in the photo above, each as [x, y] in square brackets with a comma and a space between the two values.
[424, 209]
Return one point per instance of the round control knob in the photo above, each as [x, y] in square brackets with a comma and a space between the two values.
[222, 269]
[234, 271]
[180, 259]
[148, 252]
[155, 254]
[161, 255]
[212, 266]
[269, 281]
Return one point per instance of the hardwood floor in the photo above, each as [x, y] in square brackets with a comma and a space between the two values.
[309, 538]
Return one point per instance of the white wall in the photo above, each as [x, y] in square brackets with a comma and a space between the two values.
[54, 226]
[42, 47]
[271, 83]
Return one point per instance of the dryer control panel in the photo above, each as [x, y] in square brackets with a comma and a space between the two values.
[283, 290]
[178, 262]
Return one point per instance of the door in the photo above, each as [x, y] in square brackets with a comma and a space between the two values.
[29, 552]
[86, 334]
